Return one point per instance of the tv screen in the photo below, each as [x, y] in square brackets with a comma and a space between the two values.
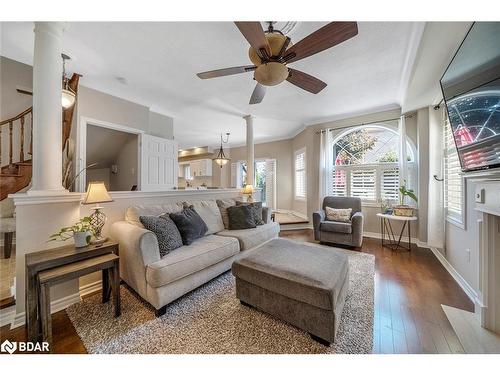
[471, 91]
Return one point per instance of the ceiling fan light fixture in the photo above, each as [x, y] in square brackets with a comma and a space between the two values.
[271, 74]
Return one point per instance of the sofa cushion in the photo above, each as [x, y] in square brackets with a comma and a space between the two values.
[250, 238]
[308, 273]
[335, 227]
[241, 217]
[134, 212]
[187, 260]
[223, 205]
[209, 212]
[257, 211]
[165, 231]
[191, 226]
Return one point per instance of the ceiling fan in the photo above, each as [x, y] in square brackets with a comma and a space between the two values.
[271, 52]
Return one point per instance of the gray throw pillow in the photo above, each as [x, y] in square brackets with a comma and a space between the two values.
[166, 232]
[256, 209]
[241, 217]
[191, 226]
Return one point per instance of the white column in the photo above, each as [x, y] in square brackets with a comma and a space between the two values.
[47, 109]
[250, 149]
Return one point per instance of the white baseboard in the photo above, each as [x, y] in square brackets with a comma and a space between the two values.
[404, 239]
[90, 288]
[18, 320]
[471, 293]
[285, 227]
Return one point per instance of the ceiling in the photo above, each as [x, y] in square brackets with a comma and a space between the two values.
[155, 64]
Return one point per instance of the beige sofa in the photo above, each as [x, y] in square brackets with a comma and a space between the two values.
[162, 280]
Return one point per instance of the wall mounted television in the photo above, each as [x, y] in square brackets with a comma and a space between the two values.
[471, 92]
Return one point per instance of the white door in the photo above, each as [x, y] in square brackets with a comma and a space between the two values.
[159, 165]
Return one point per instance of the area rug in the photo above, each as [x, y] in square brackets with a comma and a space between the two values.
[211, 320]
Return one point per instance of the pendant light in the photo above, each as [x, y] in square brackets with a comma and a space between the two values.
[221, 158]
[68, 97]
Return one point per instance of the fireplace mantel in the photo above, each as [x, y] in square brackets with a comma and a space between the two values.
[487, 197]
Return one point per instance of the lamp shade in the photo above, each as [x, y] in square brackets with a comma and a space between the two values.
[67, 98]
[248, 189]
[97, 193]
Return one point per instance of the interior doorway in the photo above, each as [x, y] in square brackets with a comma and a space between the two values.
[113, 158]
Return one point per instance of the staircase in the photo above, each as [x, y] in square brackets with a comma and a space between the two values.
[16, 169]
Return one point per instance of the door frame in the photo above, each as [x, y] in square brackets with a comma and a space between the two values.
[81, 147]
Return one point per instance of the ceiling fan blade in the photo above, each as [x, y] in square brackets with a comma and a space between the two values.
[305, 81]
[328, 36]
[226, 71]
[254, 34]
[258, 94]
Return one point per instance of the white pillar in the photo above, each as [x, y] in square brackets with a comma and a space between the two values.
[47, 109]
[250, 149]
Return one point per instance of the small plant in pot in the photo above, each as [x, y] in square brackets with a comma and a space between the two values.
[81, 232]
[403, 209]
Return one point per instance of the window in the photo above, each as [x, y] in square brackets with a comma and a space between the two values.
[300, 174]
[365, 164]
[452, 178]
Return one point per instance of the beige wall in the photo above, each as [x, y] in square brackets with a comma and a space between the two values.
[127, 164]
[279, 150]
[99, 174]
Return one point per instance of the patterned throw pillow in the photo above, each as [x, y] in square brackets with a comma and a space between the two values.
[191, 226]
[224, 204]
[338, 214]
[241, 217]
[166, 232]
[257, 211]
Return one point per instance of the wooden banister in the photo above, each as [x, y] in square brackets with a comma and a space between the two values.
[22, 114]
[12, 123]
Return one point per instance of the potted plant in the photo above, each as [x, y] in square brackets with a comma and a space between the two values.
[403, 209]
[81, 232]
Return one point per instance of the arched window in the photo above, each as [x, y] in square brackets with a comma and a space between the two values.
[365, 163]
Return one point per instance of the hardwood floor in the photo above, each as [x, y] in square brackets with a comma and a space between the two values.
[409, 290]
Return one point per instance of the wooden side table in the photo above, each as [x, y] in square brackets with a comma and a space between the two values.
[108, 263]
[43, 260]
[387, 230]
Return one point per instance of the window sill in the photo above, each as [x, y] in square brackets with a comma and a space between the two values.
[456, 222]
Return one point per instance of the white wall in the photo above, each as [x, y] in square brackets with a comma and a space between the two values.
[99, 174]
[126, 163]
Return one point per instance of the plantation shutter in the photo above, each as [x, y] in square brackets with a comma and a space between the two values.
[300, 174]
[271, 183]
[363, 184]
[389, 184]
[452, 175]
[339, 183]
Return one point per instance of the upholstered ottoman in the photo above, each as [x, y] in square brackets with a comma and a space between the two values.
[304, 285]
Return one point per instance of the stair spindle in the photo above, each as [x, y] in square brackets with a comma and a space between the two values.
[0, 146]
[21, 154]
[10, 143]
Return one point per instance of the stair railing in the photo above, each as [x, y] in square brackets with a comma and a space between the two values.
[10, 124]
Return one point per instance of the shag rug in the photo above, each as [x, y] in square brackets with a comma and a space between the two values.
[211, 320]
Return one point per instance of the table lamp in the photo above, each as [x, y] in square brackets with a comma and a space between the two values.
[97, 193]
[248, 190]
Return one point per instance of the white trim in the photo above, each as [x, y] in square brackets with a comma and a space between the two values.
[404, 239]
[81, 144]
[21, 199]
[90, 288]
[469, 290]
[55, 306]
[285, 227]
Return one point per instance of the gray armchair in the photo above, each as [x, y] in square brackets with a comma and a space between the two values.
[335, 232]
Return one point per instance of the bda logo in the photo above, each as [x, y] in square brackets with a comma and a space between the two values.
[9, 347]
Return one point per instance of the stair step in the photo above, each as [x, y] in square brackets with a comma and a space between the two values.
[26, 162]
[10, 174]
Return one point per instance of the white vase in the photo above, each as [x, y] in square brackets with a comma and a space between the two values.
[82, 239]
